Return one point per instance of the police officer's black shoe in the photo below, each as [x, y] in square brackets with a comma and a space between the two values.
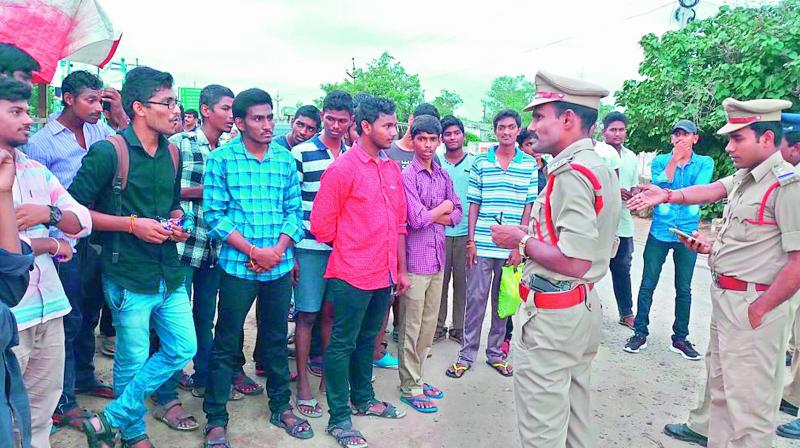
[635, 343]
[681, 431]
[788, 408]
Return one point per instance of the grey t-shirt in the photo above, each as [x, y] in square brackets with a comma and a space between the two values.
[403, 157]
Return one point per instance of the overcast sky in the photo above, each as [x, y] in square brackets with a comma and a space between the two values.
[291, 47]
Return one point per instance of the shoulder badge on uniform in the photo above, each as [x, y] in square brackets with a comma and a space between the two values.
[785, 174]
[561, 165]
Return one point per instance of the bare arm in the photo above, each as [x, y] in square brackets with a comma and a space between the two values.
[652, 195]
[551, 258]
[526, 215]
[192, 192]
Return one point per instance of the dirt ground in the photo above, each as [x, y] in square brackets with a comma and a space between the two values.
[635, 395]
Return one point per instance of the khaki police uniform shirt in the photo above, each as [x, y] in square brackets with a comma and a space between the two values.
[751, 251]
[581, 233]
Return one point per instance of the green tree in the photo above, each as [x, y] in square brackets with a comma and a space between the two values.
[507, 92]
[384, 77]
[746, 53]
[447, 102]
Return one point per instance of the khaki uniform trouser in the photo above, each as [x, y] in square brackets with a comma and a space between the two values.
[746, 370]
[41, 358]
[553, 352]
[419, 311]
[699, 416]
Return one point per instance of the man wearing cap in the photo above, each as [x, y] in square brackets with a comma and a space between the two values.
[751, 311]
[680, 168]
[569, 242]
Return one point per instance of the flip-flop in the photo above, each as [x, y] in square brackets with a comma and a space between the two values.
[294, 429]
[99, 438]
[456, 370]
[500, 366]
[246, 385]
[389, 411]
[220, 441]
[130, 443]
[416, 402]
[181, 422]
[312, 403]
[343, 436]
[99, 389]
[432, 392]
[73, 418]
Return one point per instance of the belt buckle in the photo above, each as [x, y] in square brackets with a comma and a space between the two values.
[586, 296]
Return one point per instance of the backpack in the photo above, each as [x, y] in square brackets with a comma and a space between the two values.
[120, 181]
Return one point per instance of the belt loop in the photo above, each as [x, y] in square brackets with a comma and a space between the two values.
[586, 303]
[751, 289]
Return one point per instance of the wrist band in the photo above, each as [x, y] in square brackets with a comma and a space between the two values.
[58, 247]
[250, 254]
[130, 227]
[669, 196]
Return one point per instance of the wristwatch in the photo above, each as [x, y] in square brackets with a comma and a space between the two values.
[522, 243]
[55, 216]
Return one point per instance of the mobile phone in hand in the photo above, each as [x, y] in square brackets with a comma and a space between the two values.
[681, 234]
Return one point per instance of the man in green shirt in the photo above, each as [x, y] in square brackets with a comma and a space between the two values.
[142, 277]
[614, 132]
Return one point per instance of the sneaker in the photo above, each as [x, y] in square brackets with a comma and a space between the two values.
[788, 408]
[386, 362]
[627, 321]
[685, 349]
[635, 343]
[790, 430]
[682, 432]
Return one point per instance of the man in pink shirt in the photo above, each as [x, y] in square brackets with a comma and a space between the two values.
[360, 210]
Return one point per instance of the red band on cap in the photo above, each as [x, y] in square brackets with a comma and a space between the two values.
[549, 95]
[744, 120]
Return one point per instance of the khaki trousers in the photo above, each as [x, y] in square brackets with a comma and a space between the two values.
[419, 311]
[791, 392]
[553, 352]
[41, 358]
[455, 267]
[746, 370]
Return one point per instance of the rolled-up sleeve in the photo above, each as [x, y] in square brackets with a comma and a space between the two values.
[59, 197]
[658, 176]
[216, 199]
[293, 206]
[327, 205]
[574, 216]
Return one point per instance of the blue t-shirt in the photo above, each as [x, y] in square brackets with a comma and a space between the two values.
[686, 218]
[459, 174]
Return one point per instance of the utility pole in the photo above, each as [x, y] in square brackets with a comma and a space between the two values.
[352, 74]
[685, 13]
[278, 99]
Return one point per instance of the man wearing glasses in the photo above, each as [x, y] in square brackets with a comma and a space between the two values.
[142, 277]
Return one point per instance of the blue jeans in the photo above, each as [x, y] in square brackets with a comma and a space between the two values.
[655, 253]
[620, 267]
[137, 374]
[69, 273]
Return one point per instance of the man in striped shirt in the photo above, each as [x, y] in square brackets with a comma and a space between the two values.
[502, 187]
[60, 146]
[313, 158]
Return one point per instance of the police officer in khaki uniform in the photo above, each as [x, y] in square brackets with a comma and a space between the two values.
[695, 430]
[569, 243]
[755, 262]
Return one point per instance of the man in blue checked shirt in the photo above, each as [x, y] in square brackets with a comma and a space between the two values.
[251, 195]
[679, 169]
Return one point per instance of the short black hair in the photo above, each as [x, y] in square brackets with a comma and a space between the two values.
[792, 138]
[449, 120]
[507, 113]
[247, 99]
[371, 109]
[338, 100]
[614, 116]
[13, 90]
[212, 94]
[193, 113]
[426, 109]
[587, 115]
[13, 59]
[141, 84]
[427, 124]
[77, 81]
[763, 126]
[311, 112]
[524, 134]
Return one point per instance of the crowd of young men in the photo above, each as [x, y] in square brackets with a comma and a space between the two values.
[347, 223]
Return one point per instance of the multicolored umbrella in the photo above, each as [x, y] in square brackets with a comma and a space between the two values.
[51, 30]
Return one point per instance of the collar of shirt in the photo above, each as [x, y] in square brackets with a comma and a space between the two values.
[765, 167]
[492, 157]
[202, 140]
[238, 148]
[323, 147]
[580, 145]
[133, 140]
[366, 158]
[417, 166]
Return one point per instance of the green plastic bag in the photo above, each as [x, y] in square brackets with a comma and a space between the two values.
[508, 301]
